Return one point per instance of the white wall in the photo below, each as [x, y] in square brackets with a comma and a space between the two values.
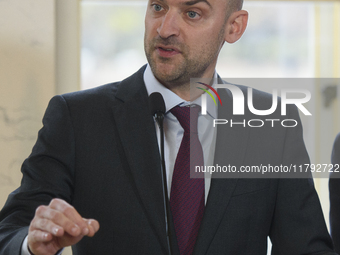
[39, 57]
[27, 81]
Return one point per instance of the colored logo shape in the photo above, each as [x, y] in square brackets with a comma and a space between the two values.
[209, 93]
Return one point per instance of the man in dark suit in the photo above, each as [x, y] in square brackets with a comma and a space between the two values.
[334, 195]
[97, 157]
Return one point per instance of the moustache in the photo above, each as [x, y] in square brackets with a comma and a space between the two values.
[170, 41]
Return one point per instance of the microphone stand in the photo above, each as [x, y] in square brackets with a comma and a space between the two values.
[159, 118]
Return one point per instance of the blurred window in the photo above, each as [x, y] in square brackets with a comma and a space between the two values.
[279, 41]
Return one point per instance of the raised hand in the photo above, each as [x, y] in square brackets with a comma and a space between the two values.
[56, 226]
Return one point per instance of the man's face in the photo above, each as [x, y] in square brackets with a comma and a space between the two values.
[183, 38]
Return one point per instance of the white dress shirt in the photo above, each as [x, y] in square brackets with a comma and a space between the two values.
[173, 131]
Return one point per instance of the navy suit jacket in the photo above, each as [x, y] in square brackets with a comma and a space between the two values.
[98, 151]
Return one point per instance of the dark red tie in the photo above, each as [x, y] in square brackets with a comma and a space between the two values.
[187, 194]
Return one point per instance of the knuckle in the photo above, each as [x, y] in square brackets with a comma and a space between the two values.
[40, 210]
[68, 210]
[30, 234]
[34, 234]
[55, 201]
[60, 205]
[33, 222]
[56, 216]
[69, 225]
[43, 224]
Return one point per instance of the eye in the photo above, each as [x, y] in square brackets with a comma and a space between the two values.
[157, 7]
[192, 14]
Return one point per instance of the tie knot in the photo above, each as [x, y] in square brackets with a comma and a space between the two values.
[187, 117]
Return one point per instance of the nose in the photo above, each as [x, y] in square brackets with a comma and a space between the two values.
[169, 26]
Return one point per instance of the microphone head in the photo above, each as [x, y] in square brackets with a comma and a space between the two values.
[156, 103]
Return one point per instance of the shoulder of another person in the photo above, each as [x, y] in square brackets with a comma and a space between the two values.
[109, 92]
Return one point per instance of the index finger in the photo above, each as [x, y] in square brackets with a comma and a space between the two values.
[70, 212]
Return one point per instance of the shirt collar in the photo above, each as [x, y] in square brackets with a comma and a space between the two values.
[170, 98]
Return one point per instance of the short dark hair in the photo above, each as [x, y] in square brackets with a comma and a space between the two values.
[235, 5]
[232, 6]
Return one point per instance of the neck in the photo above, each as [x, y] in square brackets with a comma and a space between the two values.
[187, 91]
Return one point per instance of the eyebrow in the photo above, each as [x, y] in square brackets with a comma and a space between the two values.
[193, 2]
[196, 1]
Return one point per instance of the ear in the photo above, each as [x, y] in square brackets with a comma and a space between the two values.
[235, 26]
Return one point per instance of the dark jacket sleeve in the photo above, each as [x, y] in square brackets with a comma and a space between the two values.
[298, 225]
[47, 173]
[334, 195]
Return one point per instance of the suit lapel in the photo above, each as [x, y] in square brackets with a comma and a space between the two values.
[136, 130]
[231, 144]
[137, 133]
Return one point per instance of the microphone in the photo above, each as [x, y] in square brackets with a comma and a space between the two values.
[157, 109]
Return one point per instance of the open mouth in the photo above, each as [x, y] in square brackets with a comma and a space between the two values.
[167, 52]
[166, 49]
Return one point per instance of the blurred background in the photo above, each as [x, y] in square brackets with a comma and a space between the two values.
[50, 47]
